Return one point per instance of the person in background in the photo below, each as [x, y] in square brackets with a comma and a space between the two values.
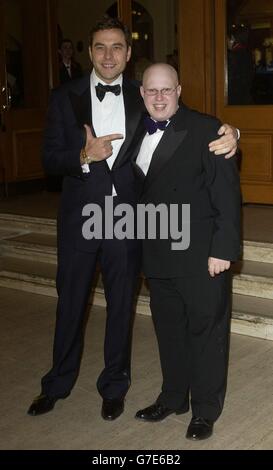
[69, 69]
[240, 68]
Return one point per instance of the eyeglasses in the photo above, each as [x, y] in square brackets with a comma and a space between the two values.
[163, 91]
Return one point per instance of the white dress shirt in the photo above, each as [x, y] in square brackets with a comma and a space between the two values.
[68, 68]
[108, 117]
[148, 146]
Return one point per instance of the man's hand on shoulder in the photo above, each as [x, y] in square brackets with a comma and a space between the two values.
[227, 144]
[217, 266]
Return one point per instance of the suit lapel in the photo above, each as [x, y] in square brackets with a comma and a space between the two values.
[133, 114]
[171, 140]
[80, 99]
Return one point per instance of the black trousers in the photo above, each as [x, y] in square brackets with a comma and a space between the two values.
[192, 322]
[119, 261]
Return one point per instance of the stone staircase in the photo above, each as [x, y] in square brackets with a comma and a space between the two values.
[28, 262]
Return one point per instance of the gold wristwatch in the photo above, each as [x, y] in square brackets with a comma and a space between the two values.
[84, 158]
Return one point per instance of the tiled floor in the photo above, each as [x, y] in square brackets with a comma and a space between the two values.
[27, 321]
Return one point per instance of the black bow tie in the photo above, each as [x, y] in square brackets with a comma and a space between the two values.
[152, 126]
[102, 89]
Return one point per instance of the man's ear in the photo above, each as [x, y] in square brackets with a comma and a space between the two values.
[178, 90]
[90, 53]
[129, 52]
[142, 91]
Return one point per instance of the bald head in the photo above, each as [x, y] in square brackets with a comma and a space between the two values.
[162, 70]
[160, 91]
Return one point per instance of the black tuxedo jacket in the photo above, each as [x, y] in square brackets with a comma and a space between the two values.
[76, 72]
[69, 109]
[183, 171]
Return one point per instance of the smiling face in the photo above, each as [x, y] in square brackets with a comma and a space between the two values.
[159, 77]
[109, 53]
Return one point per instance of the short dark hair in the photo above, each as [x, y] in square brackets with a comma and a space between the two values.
[66, 40]
[111, 23]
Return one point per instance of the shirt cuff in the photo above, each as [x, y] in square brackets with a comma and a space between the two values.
[85, 167]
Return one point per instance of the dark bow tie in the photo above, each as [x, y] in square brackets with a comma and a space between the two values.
[102, 89]
[152, 126]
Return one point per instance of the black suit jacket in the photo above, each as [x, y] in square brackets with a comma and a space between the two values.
[75, 70]
[69, 109]
[183, 171]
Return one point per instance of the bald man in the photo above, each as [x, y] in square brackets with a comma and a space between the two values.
[189, 285]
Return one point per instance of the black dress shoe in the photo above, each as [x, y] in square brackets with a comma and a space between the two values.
[43, 404]
[156, 412]
[199, 428]
[112, 409]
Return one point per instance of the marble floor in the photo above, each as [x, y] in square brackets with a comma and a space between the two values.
[27, 321]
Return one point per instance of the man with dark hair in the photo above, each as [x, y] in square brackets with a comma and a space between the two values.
[112, 23]
[91, 123]
[69, 68]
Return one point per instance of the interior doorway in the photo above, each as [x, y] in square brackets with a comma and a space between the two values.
[24, 88]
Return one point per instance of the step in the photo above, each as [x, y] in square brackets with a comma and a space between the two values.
[250, 278]
[253, 278]
[252, 250]
[21, 225]
[38, 277]
[28, 223]
[258, 251]
[252, 317]
[30, 246]
[25, 241]
[6, 232]
[28, 275]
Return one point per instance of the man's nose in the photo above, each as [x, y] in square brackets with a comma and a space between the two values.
[108, 53]
[159, 96]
